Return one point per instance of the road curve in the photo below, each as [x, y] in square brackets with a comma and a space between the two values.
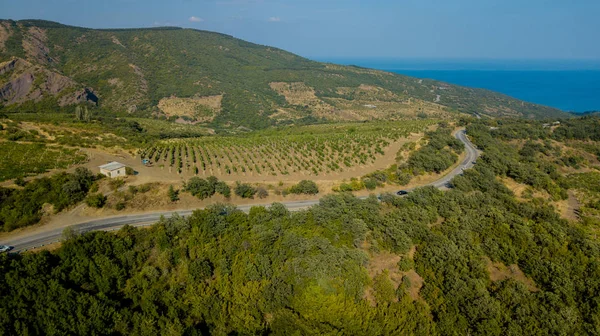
[38, 239]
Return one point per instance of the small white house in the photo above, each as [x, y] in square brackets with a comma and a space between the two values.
[113, 169]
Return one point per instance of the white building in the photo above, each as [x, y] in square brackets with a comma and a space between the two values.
[113, 169]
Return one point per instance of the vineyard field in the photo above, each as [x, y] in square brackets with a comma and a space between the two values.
[21, 159]
[317, 150]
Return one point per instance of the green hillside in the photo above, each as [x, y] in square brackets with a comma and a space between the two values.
[215, 79]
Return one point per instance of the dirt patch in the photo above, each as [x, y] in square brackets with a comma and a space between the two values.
[523, 191]
[365, 102]
[34, 44]
[115, 82]
[516, 187]
[416, 283]
[143, 84]
[116, 41]
[498, 272]
[368, 92]
[386, 261]
[201, 109]
[49, 247]
[299, 94]
[296, 93]
[568, 208]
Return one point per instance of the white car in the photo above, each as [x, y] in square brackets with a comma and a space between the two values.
[4, 248]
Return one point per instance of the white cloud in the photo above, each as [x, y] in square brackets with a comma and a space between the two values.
[274, 19]
[195, 19]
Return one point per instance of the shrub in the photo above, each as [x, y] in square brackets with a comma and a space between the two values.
[200, 269]
[96, 200]
[370, 183]
[20, 181]
[144, 188]
[403, 177]
[356, 184]
[173, 194]
[115, 184]
[262, 192]
[305, 187]
[405, 264]
[133, 190]
[200, 188]
[244, 190]
[129, 171]
[120, 206]
[223, 189]
[344, 187]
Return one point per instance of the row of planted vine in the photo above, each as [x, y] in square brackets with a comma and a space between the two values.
[312, 150]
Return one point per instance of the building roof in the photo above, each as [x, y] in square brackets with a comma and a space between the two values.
[112, 166]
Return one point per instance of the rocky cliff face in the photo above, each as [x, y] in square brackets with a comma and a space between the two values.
[22, 81]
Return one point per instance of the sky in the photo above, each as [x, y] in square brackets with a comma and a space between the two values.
[321, 29]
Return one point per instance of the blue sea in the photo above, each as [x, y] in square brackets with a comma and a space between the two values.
[566, 85]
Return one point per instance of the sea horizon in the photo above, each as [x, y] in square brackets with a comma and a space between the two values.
[569, 85]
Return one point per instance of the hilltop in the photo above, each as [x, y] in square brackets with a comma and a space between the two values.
[213, 79]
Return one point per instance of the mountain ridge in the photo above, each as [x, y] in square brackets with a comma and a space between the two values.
[142, 70]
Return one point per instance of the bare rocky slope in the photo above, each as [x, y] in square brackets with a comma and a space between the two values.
[210, 78]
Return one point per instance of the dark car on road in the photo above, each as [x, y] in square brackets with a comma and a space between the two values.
[4, 248]
[402, 193]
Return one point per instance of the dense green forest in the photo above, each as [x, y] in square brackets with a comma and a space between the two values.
[23, 207]
[313, 272]
[131, 70]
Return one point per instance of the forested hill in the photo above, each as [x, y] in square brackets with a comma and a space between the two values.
[213, 78]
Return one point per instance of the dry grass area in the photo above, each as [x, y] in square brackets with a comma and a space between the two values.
[568, 208]
[201, 109]
[296, 93]
[516, 187]
[49, 247]
[299, 94]
[386, 261]
[498, 272]
[368, 103]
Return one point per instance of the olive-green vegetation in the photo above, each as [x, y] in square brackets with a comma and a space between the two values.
[439, 152]
[131, 70]
[245, 190]
[95, 200]
[587, 186]
[22, 207]
[304, 271]
[206, 188]
[527, 154]
[105, 129]
[221, 271]
[437, 155]
[173, 194]
[23, 159]
[312, 150]
[305, 187]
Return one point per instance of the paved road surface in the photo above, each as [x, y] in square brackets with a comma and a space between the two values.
[111, 223]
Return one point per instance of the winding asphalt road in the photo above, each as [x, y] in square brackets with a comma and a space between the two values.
[38, 239]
